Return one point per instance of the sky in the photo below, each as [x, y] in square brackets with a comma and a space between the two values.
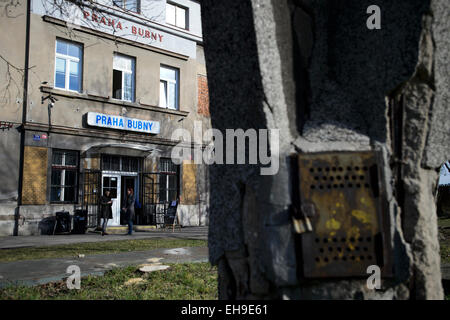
[445, 175]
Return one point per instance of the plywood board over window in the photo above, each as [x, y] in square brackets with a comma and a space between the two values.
[189, 183]
[35, 175]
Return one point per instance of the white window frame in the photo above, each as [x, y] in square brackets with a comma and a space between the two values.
[177, 87]
[133, 75]
[186, 16]
[68, 60]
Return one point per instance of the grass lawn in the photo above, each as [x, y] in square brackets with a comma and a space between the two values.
[196, 281]
[72, 250]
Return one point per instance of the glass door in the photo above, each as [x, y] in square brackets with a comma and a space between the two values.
[112, 183]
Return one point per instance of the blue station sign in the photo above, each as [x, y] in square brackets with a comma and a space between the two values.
[122, 123]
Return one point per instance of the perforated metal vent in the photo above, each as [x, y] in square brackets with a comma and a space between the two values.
[343, 190]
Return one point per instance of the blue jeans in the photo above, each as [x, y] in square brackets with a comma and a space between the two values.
[130, 226]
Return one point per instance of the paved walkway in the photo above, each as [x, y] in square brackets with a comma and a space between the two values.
[39, 241]
[34, 272]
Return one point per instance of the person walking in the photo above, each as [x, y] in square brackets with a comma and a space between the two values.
[106, 210]
[129, 209]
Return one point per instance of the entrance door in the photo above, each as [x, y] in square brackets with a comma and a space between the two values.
[127, 182]
[112, 183]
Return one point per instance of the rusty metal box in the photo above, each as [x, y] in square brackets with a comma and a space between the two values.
[340, 194]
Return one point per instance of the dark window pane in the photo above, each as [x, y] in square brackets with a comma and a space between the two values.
[117, 84]
[115, 163]
[166, 165]
[106, 182]
[70, 178]
[55, 194]
[172, 182]
[163, 165]
[69, 194]
[130, 164]
[111, 163]
[113, 193]
[162, 187]
[172, 195]
[106, 163]
[57, 158]
[110, 183]
[134, 164]
[71, 159]
[126, 164]
[113, 183]
[56, 177]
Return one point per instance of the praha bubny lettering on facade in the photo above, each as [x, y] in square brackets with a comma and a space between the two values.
[121, 25]
[258, 147]
[122, 123]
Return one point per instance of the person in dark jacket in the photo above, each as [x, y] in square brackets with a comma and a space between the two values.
[106, 210]
[129, 209]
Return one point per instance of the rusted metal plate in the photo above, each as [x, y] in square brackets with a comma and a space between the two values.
[341, 193]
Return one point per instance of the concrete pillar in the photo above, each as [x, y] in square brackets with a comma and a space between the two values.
[313, 70]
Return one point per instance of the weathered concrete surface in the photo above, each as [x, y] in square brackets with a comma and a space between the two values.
[438, 144]
[313, 70]
[33, 272]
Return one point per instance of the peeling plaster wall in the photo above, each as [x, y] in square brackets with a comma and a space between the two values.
[313, 70]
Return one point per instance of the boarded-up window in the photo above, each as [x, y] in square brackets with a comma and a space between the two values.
[189, 183]
[34, 175]
[203, 96]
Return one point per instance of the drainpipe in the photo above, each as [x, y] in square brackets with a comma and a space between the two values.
[24, 114]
